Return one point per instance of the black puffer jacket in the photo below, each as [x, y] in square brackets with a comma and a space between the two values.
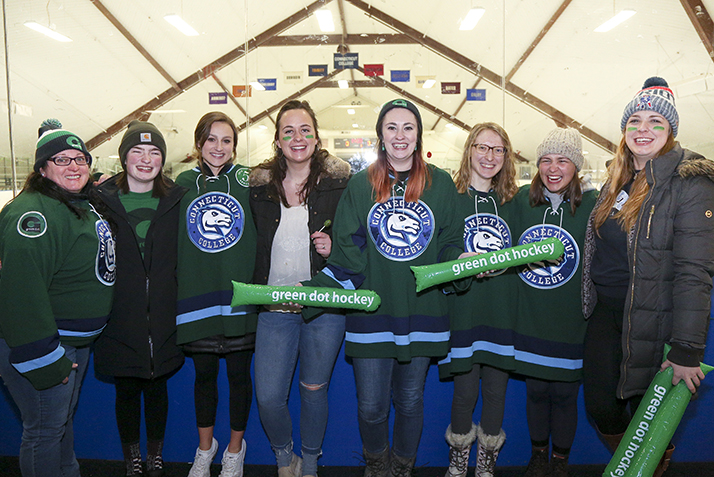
[671, 259]
[140, 338]
[321, 205]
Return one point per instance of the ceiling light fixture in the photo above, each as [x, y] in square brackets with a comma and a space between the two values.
[181, 25]
[257, 85]
[355, 126]
[46, 31]
[429, 83]
[472, 18]
[614, 21]
[324, 19]
[343, 84]
[350, 111]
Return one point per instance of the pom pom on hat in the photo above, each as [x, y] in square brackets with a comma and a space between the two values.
[53, 139]
[656, 96]
[141, 132]
[564, 142]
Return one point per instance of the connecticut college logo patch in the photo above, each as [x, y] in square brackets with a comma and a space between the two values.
[401, 230]
[32, 224]
[215, 222]
[485, 233]
[550, 273]
[105, 267]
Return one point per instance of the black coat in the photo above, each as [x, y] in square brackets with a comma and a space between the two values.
[321, 204]
[140, 338]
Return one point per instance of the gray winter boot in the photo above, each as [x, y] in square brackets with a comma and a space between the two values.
[487, 452]
[401, 466]
[459, 450]
[377, 465]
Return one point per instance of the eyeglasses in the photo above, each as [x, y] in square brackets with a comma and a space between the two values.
[63, 161]
[498, 151]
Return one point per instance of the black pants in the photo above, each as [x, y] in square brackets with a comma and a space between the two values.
[128, 408]
[240, 388]
[601, 368]
[552, 413]
[466, 387]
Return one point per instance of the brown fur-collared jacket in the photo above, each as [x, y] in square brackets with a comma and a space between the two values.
[671, 261]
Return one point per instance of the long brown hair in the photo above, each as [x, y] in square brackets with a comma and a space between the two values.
[573, 193]
[378, 171]
[504, 182]
[620, 171]
[277, 165]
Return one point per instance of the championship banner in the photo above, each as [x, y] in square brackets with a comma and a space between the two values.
[450, 88]
[317, 70]
[475, 95]
[270, 84]
[241, 91]
[430, 275]
[292, 77]
[374, 70]
[218, 98]
[345, 61]
[323, 297]
[400, 76]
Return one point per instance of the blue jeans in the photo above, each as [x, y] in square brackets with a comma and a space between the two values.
[378, 380]
[280, 339]
[47, 448]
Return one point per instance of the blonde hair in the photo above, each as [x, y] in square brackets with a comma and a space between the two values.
[504, 182]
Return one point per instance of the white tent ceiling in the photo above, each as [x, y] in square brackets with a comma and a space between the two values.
[570, 75]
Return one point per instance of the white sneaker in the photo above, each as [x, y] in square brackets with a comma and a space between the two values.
[232, 464]
[202, 461]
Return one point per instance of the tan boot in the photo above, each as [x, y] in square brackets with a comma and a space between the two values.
[459, 451]
[664, 462]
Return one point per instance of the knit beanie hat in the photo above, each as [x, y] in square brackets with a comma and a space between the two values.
[400, 103]
[54, 139]
[565, 142]
[656, 96]
[141, 132]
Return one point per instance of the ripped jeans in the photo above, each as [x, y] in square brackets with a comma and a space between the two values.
[281, 339]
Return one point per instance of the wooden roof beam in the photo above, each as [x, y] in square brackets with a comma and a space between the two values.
[702, 22]
[204, 73]
[135, 43]
[358, 39]
[488, 75]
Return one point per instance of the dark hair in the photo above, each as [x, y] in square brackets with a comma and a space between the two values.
[277, 165]
[378, 171]
[573, 192]
[159, 189]
[37, 183]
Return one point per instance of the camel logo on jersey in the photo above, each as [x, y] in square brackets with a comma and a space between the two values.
[215, 222]
[550, 274]
[401, 230]
[485, 233]
[105, 265]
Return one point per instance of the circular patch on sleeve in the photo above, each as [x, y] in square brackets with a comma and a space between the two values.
[32, 224]
[242, 175]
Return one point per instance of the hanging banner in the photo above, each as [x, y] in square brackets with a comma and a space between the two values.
[345, 61]
[292, 77]
[218, 98]
[420, 80]
[239, 91]
[450, 88]
[317, 70]
[270, 84]
[475, 95]
[400, 76]
[374, 70]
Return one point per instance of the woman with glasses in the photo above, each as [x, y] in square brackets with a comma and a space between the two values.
[57, 273]
[138, 347]
[481, 326]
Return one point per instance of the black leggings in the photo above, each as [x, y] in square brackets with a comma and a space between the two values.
[128, 408]
[240, 388]
[552, 413]
[601, 368]
[466, 386]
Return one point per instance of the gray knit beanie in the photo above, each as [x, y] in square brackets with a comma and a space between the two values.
[565, 142]
[656, 96]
